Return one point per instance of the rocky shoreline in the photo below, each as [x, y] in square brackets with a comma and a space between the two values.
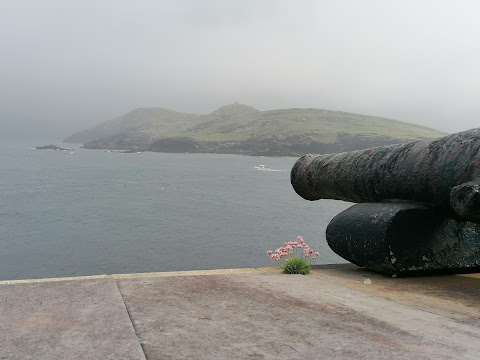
[295, 145]
[51, 147]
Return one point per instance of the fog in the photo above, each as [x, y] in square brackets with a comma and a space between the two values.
[67, 65]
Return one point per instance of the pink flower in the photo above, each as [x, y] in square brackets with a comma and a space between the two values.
[287, 252]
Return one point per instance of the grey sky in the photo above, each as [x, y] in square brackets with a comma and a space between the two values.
[66, 65]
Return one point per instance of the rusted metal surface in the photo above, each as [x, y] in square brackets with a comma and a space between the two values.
[404, 238]
[444, 172]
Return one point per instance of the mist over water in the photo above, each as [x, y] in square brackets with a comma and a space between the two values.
[93, 212]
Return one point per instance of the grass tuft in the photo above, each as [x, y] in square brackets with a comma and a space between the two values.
[296, 266]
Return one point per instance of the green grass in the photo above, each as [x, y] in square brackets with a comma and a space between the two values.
[323, 125]
[296, 266]
[239, 122]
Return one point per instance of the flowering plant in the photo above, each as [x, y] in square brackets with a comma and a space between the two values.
[295, 257]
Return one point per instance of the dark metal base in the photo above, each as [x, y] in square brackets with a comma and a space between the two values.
[404, 238]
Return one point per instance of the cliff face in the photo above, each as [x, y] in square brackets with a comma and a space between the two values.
[291, 146]
[137, 125]
[241, 129]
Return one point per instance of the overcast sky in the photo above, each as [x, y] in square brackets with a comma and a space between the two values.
[66, 65]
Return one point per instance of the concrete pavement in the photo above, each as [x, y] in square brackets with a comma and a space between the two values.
[72, 319]
[336, 312]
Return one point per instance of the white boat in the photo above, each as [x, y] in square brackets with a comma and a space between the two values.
[262, 167]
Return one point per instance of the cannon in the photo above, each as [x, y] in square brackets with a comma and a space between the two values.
[418, 203]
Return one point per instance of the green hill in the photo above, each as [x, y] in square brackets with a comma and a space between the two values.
[151, 123]
[239, 128]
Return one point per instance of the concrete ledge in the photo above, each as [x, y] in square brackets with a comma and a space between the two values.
[336, 312]
[188, 273]
[31, 281]
[68, 320]
[143, 275]
[173, 273]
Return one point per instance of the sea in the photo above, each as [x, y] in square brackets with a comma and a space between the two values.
[89, 212]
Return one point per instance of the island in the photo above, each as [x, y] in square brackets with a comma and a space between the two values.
[242, 129]
[51, 147]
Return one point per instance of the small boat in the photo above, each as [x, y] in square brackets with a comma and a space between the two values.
[262, 167]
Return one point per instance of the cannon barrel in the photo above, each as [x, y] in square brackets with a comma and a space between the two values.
[444, 172]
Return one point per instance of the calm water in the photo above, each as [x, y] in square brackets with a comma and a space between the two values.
[93, 212]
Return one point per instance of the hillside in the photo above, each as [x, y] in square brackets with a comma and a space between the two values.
[139, 127]
[241, 129]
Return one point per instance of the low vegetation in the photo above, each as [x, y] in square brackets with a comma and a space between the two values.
[239, 128]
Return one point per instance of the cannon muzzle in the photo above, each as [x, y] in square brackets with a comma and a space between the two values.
[444, 172]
